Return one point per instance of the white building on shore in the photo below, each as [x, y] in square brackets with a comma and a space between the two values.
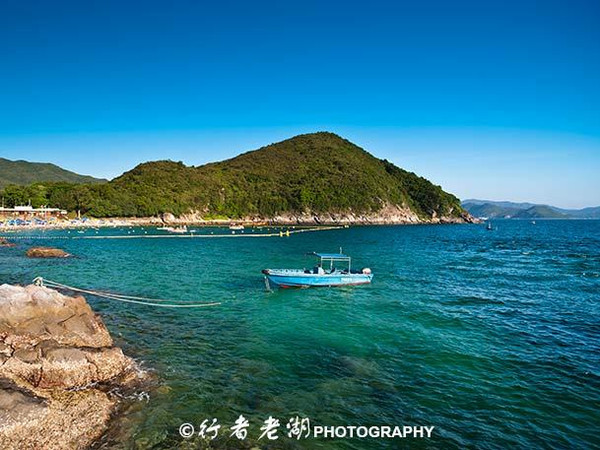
[27, 212]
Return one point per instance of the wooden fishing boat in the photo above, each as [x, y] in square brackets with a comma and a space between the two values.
[324, 274]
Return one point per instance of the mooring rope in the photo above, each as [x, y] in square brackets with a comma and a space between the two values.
[39, 281]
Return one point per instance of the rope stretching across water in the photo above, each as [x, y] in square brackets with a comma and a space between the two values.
[39, 281]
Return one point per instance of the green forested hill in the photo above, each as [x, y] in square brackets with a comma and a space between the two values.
[317, 173]
[539, 211]
[24, 173]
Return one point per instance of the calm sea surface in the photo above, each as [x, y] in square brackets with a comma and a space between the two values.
[493, 337]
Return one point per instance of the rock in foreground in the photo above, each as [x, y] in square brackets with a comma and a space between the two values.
[57, 364]
[46, 252]
[6, 243]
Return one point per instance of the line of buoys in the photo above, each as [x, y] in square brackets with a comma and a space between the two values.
[286, 233]
[281, 233]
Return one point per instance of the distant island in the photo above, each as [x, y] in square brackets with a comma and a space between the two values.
[511, 210]
[312, 178]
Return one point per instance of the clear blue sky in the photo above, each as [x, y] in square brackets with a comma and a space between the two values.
[496, 100]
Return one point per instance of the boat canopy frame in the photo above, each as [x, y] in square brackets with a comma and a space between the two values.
[331, 258]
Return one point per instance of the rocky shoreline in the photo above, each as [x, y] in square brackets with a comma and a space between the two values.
[58, 369]
[389, 215]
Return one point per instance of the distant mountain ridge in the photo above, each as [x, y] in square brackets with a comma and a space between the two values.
[23, 173]
[513, 210]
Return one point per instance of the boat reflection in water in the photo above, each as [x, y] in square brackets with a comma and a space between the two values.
[324, 274]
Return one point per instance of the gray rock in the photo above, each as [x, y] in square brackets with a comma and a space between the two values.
[54, 353]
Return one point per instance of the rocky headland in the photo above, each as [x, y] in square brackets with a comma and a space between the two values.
[58, 370]
[388, 215]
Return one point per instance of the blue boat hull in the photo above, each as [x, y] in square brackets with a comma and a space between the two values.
[289, 280]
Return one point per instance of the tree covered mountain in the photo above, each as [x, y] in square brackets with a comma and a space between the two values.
[24, 173]
[312, 173]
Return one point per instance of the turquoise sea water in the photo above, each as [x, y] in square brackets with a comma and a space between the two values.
[493, 337]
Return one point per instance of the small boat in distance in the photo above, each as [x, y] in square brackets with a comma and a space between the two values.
[319, 275]
[489, 226]
[236, 227]
[180, 230]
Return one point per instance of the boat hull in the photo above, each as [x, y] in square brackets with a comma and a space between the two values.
[300, 279]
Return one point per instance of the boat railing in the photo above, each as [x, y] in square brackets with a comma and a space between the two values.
[289, 270]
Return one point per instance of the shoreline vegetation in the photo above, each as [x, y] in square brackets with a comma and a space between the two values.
[312, 179]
